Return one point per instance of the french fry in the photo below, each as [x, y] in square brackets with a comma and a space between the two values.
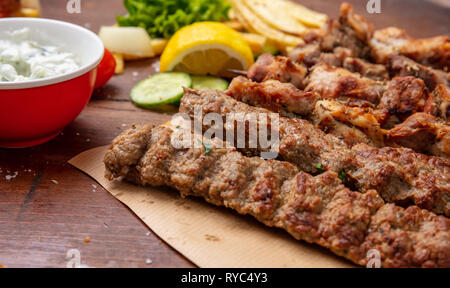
[289, 50]
[232, 14]
[29, 12]
[120, 64]
[158, 45]
[255, 41]
[253, 24]
[306, 16]
[235, 25]
[269, 12]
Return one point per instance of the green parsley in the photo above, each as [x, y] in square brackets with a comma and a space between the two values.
[206, 145]
[207, 148]
[319, 167]
[162, 18]
[342, 175]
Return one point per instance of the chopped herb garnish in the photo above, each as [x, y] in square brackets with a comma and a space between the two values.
[206, 145]
[319, 167]
[207, 148]
[342, 175]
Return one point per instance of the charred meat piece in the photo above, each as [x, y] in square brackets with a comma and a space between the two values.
[438, 103]
[126, 150]
[7, 7]
[307, 53]
[352, 32]
[434, 52]
[350, 121]
[310, 55]
[423, 133]
[403, 66]
[404, 96]
[333, 83]
[314, 209]
[366, 69]
[269, 67]
[399, 175]
[353, 125]
[273, 95]
[401, 96]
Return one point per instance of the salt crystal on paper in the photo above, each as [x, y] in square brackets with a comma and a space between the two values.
[10, 177]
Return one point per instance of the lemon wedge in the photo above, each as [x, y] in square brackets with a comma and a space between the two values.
[206, 48]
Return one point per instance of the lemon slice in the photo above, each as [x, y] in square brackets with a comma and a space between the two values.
[206, 48]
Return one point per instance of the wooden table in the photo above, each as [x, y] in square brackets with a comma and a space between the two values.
[50, 207]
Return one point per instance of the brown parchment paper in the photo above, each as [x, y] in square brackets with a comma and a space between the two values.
[209, 236]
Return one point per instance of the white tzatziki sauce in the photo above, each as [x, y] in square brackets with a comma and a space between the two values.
[22, 59]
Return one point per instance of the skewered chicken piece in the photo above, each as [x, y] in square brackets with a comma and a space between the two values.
[350, 121]
[423, 133]
[399, 175]
[273, 95]
[353, 122]
[358, 37]
[269, 67]
[401, 96]
[310, 54]
[351, 31]
[332, 83]
[439, 103]
[434, 52]
[353, 125]
[404, 96]
[403, 66]
[366, 69]
[314, 209]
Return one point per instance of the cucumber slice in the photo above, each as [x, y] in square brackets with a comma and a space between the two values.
[160, 89]
[206, 82]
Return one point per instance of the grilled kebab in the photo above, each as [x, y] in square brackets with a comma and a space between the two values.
[398, 174]
[316, 209]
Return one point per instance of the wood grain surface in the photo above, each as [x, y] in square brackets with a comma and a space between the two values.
[50, 207]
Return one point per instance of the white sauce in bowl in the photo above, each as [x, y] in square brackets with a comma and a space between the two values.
[22, 59]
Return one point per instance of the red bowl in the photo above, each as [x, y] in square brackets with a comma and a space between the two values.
[34, 112]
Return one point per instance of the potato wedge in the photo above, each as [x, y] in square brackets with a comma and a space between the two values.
[120, 64]
[255, 41]
[279, 19]
[29, 12]
[132, 42]
[232, 14]
[309, 18]
[235, 25]
[158, 45]
[253, 24]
